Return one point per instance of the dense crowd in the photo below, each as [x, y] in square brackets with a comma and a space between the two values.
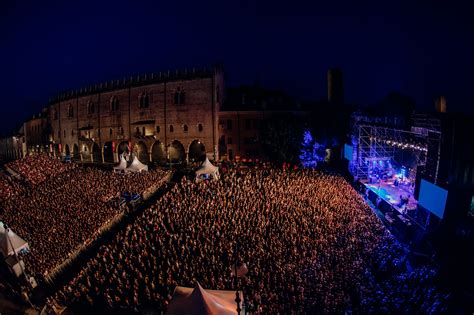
[9, 186]
[389, 286]
[310, 242]
[36, 168]
[66, 210]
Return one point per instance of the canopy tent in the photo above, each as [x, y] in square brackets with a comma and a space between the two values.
[11, 243]
[122, 166]
[200, 301]
[207, 169]
[137, 166]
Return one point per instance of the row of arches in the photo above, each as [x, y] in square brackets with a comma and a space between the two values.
[158, 152]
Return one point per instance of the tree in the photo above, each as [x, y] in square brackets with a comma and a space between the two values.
[280, 140]
[311, 151]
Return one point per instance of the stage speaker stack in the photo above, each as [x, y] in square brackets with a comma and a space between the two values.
[419, 175]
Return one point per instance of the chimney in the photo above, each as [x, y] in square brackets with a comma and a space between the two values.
[440, 104]
[335, 86]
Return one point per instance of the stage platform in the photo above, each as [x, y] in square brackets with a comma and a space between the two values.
[392, 194]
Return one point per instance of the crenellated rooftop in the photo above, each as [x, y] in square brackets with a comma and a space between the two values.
[134, 81]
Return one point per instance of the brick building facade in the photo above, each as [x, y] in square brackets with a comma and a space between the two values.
[158, 117]
[179, 116]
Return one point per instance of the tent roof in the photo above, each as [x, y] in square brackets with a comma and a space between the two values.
[137, 165]
[207, 168]
[122, 165]
[200, 301]
[6, 243]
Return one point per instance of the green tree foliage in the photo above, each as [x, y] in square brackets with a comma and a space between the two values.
[281, 139]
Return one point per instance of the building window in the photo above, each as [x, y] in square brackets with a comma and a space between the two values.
[138, 131]
[121, 131]
[72, 133]
[229, 140]
[64, 133]
[59, 134]
[185, 128]
[171, 128]
[55, 114]
[157, 129]
[144, 100]
[200, 127]
[110, 132]
[114, 104]
[90, 108]
[70, 111]
[179, 97]
[143, 131]
[229, 124]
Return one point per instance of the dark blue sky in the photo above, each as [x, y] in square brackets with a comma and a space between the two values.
[419, 49]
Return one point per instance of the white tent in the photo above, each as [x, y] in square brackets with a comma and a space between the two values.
[122, 166]
[207, 168]
[137, 166]
[199, 301]
[11, 244]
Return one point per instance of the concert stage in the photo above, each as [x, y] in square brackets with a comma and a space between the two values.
[393, 195]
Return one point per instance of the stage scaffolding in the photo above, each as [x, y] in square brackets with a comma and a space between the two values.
[375, 143]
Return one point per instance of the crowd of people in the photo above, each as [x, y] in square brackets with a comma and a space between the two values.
[36, 168]
[65, 211]
[310, 242]
[9, 186]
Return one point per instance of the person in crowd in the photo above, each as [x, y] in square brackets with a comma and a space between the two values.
[59, 213]
[310, 243]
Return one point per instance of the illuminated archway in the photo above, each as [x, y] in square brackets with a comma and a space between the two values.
[141, 152]
[197, 151]
[122, 147]
[158, 152]
[108, 152]
[76, 154]
[96, 154]
[177, 153]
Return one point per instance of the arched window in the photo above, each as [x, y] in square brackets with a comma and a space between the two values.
[171, 128]
[64, 133]
[110, 132]
[200, 127]
[72, 133]
[157, 129]
[121, 131]
[144, 100]
[138, 130]
[70, 111]
[143, 131]
[90, 108]
[114, 104]
[179, 97]
[185, 128]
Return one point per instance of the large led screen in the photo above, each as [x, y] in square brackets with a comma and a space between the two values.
[433, 198]
[348, 152]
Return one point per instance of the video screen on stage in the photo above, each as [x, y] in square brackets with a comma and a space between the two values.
[348, 152]
[433, 198]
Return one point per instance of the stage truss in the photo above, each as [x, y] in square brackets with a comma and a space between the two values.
[375, 143]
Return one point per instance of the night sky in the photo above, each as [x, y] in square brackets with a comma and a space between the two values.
[421, 50]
